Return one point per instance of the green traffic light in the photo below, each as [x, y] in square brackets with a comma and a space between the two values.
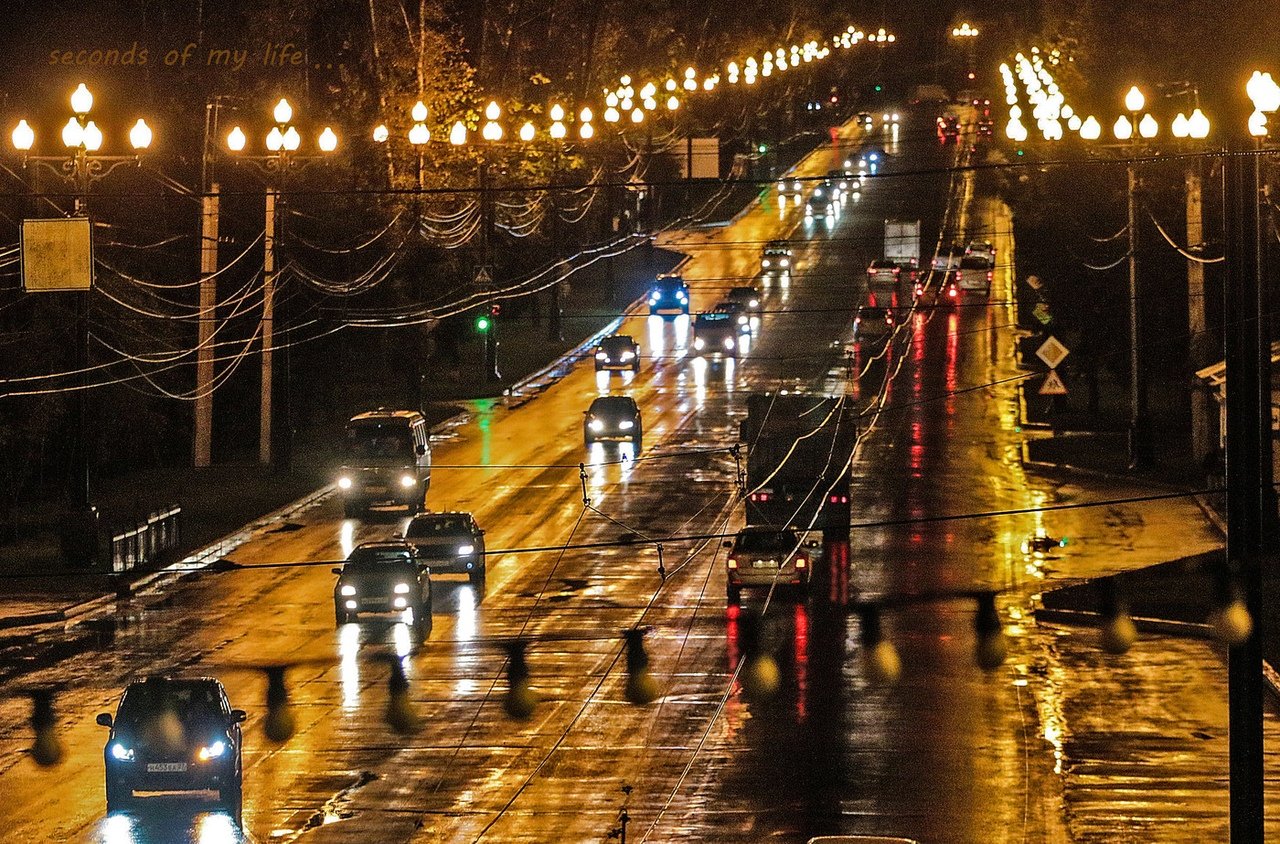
[482, 324]
[879, 88]
[762, 149]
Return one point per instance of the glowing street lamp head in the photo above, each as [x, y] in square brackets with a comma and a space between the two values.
[1180, 128]
[557, 112]
[1258, 124]
[291, 139]
[527, 132]
[1091, 129]
[492, 111]
[1147, 127]
[585, 116]
[81, 100]
[24, 137]
[275, 139]
[419, 134]
[586, 131]
[381, 133]
[328, 140]
[458, 133]
[637, 116]
[611, 115]
[140, 135]
[673, 103]
[650, 104]
[419, 112]
[558, 131]
[283, 112]
[92, 137]
[1134, 101]
[1123, 129]
[236, 139]
[72, 134]
[1198, 125]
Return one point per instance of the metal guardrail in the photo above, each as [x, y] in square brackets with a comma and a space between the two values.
[145, 540]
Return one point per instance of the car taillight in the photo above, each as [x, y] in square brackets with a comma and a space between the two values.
[839, 499]
[733, 564]
[760, 496]
[871, 271]
[951, 291]
[895, 270]
[990, 275]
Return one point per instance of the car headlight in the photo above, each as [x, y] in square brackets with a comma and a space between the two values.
[755, 303]
[121, 753]
[653, 300]
[796, 185]
[464, 550]
[808, 210]
[742, 320]
[401, 589]
[347, 590]
[728, 342]
[601, 356]
[765, 262]
[596, 425]
[626, 356]
[344, 482]
[407, 481]
[699, 343]
[212, 751]
[683, 298]
[626, 425]
[785, 262]
[399, 603]
[350, 605]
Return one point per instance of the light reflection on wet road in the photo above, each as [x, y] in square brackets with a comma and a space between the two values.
[1035, 751]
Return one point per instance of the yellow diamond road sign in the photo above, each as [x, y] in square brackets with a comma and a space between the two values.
[1053, 385]
[1052, 352]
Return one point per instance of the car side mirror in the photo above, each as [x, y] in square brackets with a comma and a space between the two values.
[336, 570]
[104, 719]
[421, 450]
[239, 716]
[727, 543]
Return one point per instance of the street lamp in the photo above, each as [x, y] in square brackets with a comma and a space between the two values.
[82, 139]
[1147, 128]
[281, 142]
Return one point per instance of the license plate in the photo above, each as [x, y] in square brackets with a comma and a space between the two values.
[763, 564]
[166, 767]
[375, 489]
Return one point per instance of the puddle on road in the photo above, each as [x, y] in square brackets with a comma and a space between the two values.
[333, 811]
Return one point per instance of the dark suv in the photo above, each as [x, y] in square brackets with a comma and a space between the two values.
[449, 543]
[384, 578]
[669, 296]
[173, 734]
[617, 352]
[613, 418]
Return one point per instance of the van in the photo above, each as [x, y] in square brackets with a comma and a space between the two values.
[386, 462]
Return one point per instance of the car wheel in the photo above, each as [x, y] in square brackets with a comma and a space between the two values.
[118, 797]
[422, 619]
[232, 800]
[734, 595]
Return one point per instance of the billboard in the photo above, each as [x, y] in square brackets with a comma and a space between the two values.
[57, 255]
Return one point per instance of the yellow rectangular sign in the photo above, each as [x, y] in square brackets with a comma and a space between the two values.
[57, 255]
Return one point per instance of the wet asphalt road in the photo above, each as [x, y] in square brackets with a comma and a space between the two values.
[1059, 744]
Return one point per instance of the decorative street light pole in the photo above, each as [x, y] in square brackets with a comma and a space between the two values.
[82, 138]
[282, 143]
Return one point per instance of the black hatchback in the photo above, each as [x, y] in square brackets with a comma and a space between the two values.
[383, 578]
[614, 418]
[173, 734]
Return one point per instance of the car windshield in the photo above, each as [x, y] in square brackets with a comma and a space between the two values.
[192, 702]
[373, 440]
[771, 542]
[437, 527]
[777, 246]
[373, 558]
[711, 320]
[871, 313]
[669, 285]
[883, 265]
[612, 406]
[975, 262]
[614, 345]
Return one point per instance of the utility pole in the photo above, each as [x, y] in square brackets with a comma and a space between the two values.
[268, 327]
[1138, 437]
[203, 456]
[1201, 410]
[1247, 349]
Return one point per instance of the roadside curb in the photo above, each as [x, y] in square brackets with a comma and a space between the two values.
[1160, 626]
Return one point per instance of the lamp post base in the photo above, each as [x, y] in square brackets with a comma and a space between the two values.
[78, 537]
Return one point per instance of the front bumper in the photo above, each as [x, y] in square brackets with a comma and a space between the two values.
[198, 776]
